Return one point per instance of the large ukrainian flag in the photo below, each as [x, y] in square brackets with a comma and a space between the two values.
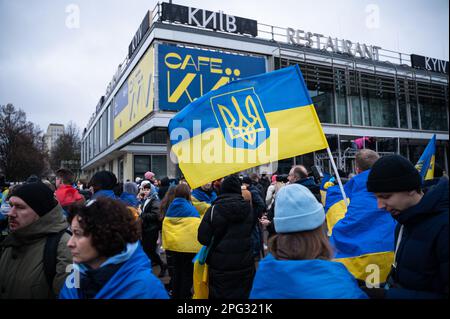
[364, 235]
[425, 165]
[246, 123]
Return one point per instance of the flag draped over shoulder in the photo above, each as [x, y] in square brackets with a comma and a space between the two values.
[365, 234]
[425, 165]
[246, 123]
[180, 227]
[324, 184]
[335, 208]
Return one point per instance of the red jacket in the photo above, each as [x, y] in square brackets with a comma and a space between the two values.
[66, 195]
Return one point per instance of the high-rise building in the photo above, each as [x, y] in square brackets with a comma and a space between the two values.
[53, 132]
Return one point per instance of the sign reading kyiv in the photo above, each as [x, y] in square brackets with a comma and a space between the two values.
[186, 74]
[207, 19]
[429, 64]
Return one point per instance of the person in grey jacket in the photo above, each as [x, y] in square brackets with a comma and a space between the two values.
[35, 214]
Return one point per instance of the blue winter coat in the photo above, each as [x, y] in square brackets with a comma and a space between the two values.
[134, 280]
[422, 257]
[304, 279]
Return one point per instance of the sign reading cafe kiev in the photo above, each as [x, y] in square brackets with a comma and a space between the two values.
[313, 40]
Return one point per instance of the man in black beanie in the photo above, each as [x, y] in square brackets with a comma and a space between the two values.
[420, 268]
[102, 184]
[34, 217]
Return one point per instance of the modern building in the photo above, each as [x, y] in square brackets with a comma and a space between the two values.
[53, 132]
[392, 100]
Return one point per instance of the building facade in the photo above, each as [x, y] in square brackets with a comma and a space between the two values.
[391, 101]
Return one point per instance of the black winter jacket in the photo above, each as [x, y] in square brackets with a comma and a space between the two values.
[230, 261]
[312, 186]
[151, 222]
[422, 257]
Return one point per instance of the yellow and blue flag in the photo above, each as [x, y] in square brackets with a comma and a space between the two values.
[180, 227]
[246, 123]
[363, 237]
[335, 208]
[324, 184]
[425, 165]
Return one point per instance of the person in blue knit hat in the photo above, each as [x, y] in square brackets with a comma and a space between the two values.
[298, 265]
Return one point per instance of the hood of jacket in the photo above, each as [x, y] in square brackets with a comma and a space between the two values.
[434, 202]
[129, 199]
[52, 222]
[203, 196]
[233, 207]
[66, 195]
[304, 279]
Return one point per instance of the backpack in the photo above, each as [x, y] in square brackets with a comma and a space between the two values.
[51, 254]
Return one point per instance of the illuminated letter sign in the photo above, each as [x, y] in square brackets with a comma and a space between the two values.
[430, 64]
[208, 19]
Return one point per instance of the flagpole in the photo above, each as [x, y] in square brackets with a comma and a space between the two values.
[337, 176]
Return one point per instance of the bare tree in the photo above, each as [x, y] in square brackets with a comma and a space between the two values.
[22, 152]
[67, 150]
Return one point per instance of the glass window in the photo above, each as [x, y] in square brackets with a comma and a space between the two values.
[379, 110]
[157, 136]
[402, 107]
[433, 114]
[159, 165]
[414, 113]
[142, 164]
[356, 110]
[341, 100]
[341, 96]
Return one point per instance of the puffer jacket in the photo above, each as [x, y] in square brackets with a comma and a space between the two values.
[422, 256]
[21, 262]
[230, 261]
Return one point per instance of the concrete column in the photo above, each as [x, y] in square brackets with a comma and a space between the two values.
[128, 169]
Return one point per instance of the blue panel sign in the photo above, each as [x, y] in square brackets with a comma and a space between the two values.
[186, 74]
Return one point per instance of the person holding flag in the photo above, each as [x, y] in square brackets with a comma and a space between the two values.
[425, 165]
[362, 234]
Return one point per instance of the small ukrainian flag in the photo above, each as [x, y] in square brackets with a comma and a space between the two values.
[425, 165]
[246, 123]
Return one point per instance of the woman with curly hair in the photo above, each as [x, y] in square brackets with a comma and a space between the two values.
[109, 262]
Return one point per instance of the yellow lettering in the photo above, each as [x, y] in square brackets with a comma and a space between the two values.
[186, 62]
[202, 59]
[181, 88]
[222, 81]
[215, 68]
[172, 55]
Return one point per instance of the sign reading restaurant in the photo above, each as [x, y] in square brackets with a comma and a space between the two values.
[321, 42]
[207, 19]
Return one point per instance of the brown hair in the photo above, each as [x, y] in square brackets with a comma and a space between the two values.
[111, 224]
[183, 191]
[66, 175]
[166, 201]
[305, 245]
[365, 159]
[300, 171]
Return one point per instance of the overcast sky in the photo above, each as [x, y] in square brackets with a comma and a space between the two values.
[56, 70]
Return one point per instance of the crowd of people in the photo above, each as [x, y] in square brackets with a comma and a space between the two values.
[280, 236]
